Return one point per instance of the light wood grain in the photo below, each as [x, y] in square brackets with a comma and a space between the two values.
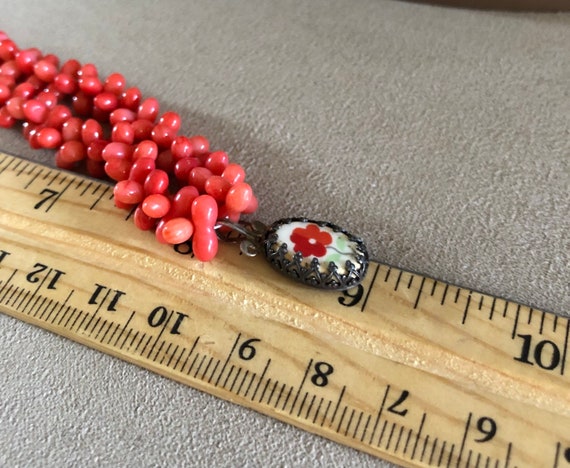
[421, 376]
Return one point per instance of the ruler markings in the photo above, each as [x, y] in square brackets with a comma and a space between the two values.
[228, 359]
[271, 393]
[341, 395]
[307, 414]
[370, 288]
[230, 372]
[516, 322]
[457, 294]
[97, 309]
[418, 436]
[103, 324]
[426, 442]
[492, 310]
[160, 334]
[158, 351]
[450, 456]
[111, 324]
[309, 366]
[565, 347]
[87, 187]
[214, 371]
[165, 355]
[399, 439]
[22, 169]
[343, 414]
[398, 280]
[69, 318]
[45, 309]
[530, 313]
[379, 414]
[262, 376]
[89, 333]
[197, 371]
[382, 433]
[291, 388]
[196, 357]
[12, 300]
[245, 376]
[419, 295]
[466, 310]
[99, 198]
[33, 179]
[366, 424]
[441, 453]
[318, 410]
[248, 388]
[464, 438]
[444, 294]
[542, 317]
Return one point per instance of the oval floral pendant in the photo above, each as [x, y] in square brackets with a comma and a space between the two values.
[316, 253]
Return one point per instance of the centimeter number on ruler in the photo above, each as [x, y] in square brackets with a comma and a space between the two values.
[404, 367]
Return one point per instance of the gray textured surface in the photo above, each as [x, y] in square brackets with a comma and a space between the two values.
[441, 135]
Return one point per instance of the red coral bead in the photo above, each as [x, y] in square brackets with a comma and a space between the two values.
[14, 106]
[122, 115]
[71, 129]
[131, 98]
[142, 221]
[90, 85]
[143, 129]
[181, 147]
[205, 244]
[217, 186]
[91, 130]
[117, 168]
[6, 119]
[5, 93]
[48, 98]
[82, 104]
[177, 230]
[156, 182]
[156, 205]
[118, 150]
[65, 83]
[148, 109]
[252, 207]
[146, 149]
[198, 177]
[163, 136]
[72, 152]
[239, 197]
[234, 173]
[45, 70]
[141, 168]
[183, 167]
[87, 70]
[58, 116]
[10, 68]
[107, 102]
[24, 90]
[8, 49]
[49, 137]
[115, 83]
[123, 132]
[128, 192]
[200, 145]
[204, 211]
[182, 202]
[170, 120]
[71, 67]
[165, 161]
[26, 59]
[217, 162]
[95, 150]
[35, 111]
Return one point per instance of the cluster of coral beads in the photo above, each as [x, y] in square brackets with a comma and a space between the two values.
[175, 184]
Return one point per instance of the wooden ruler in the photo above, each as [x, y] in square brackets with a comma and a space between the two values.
[404, 367]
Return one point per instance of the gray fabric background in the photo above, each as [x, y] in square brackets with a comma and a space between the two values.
[440, 135]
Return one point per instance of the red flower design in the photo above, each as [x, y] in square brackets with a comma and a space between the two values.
[311, 240]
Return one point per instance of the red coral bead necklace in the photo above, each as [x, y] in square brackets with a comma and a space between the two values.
[175, 185]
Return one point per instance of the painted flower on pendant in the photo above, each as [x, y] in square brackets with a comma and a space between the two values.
[311, 241]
